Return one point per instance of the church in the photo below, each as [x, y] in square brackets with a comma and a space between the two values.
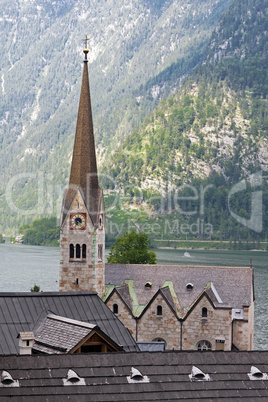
[183, 307]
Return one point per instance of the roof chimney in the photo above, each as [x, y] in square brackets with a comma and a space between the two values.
[26, 341]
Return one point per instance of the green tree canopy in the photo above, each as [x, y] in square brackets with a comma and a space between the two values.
[132, 248]
[35, 288]
[41, 232]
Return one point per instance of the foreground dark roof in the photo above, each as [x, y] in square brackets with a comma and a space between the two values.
[166, 377]
[20, 312]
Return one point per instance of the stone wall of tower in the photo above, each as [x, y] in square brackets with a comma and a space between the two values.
[82, 274]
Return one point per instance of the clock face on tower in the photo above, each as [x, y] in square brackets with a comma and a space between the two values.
[78, 221]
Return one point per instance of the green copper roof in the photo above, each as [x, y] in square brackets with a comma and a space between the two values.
[170, 285]
[136, 307]
[108, 290]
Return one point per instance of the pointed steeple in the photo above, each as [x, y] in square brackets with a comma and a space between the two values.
[84, 165]
[84, 173]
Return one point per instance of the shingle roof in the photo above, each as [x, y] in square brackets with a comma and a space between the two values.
[124, 293]
[59, 335]
[19, 312]
[105, 376]
[234, 285]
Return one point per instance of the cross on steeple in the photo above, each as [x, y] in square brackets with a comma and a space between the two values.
[86, 40]
[86, 49]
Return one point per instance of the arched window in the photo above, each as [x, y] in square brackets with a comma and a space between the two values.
[115, 308]
[204, 345]
[159, 310]
[204, 312]
[84, 251]
[78, 251]
[71, 248]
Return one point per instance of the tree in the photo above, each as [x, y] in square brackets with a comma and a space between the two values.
[35, 288]
[43, 232]
[132, 248]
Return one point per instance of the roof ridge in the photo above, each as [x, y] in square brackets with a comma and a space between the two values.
[45, 294]
[72, 321]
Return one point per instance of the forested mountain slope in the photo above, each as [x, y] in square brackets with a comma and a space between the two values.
[212, 132]
[139, 52]
[218, 120]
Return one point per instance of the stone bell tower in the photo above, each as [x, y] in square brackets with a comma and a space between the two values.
[82, 243]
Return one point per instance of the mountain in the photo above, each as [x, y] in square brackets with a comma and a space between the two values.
[139, 53]
[218, 120]
[212, 132]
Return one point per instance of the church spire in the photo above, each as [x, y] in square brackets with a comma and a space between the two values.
[84, 173]
[84, 165]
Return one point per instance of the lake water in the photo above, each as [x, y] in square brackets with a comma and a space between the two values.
[23, 266]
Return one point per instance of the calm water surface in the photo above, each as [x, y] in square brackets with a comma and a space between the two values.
[23, 266]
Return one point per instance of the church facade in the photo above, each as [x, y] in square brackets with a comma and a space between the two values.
[186, 308]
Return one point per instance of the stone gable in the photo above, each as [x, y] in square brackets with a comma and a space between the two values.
[166, 326]
[217, 325]
[124, 315]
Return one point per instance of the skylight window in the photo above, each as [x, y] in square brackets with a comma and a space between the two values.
[7, 380]
[73, 379]
[137, 377]
[256, 374]
[198, 375]
[148, 285]
[189, 286]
